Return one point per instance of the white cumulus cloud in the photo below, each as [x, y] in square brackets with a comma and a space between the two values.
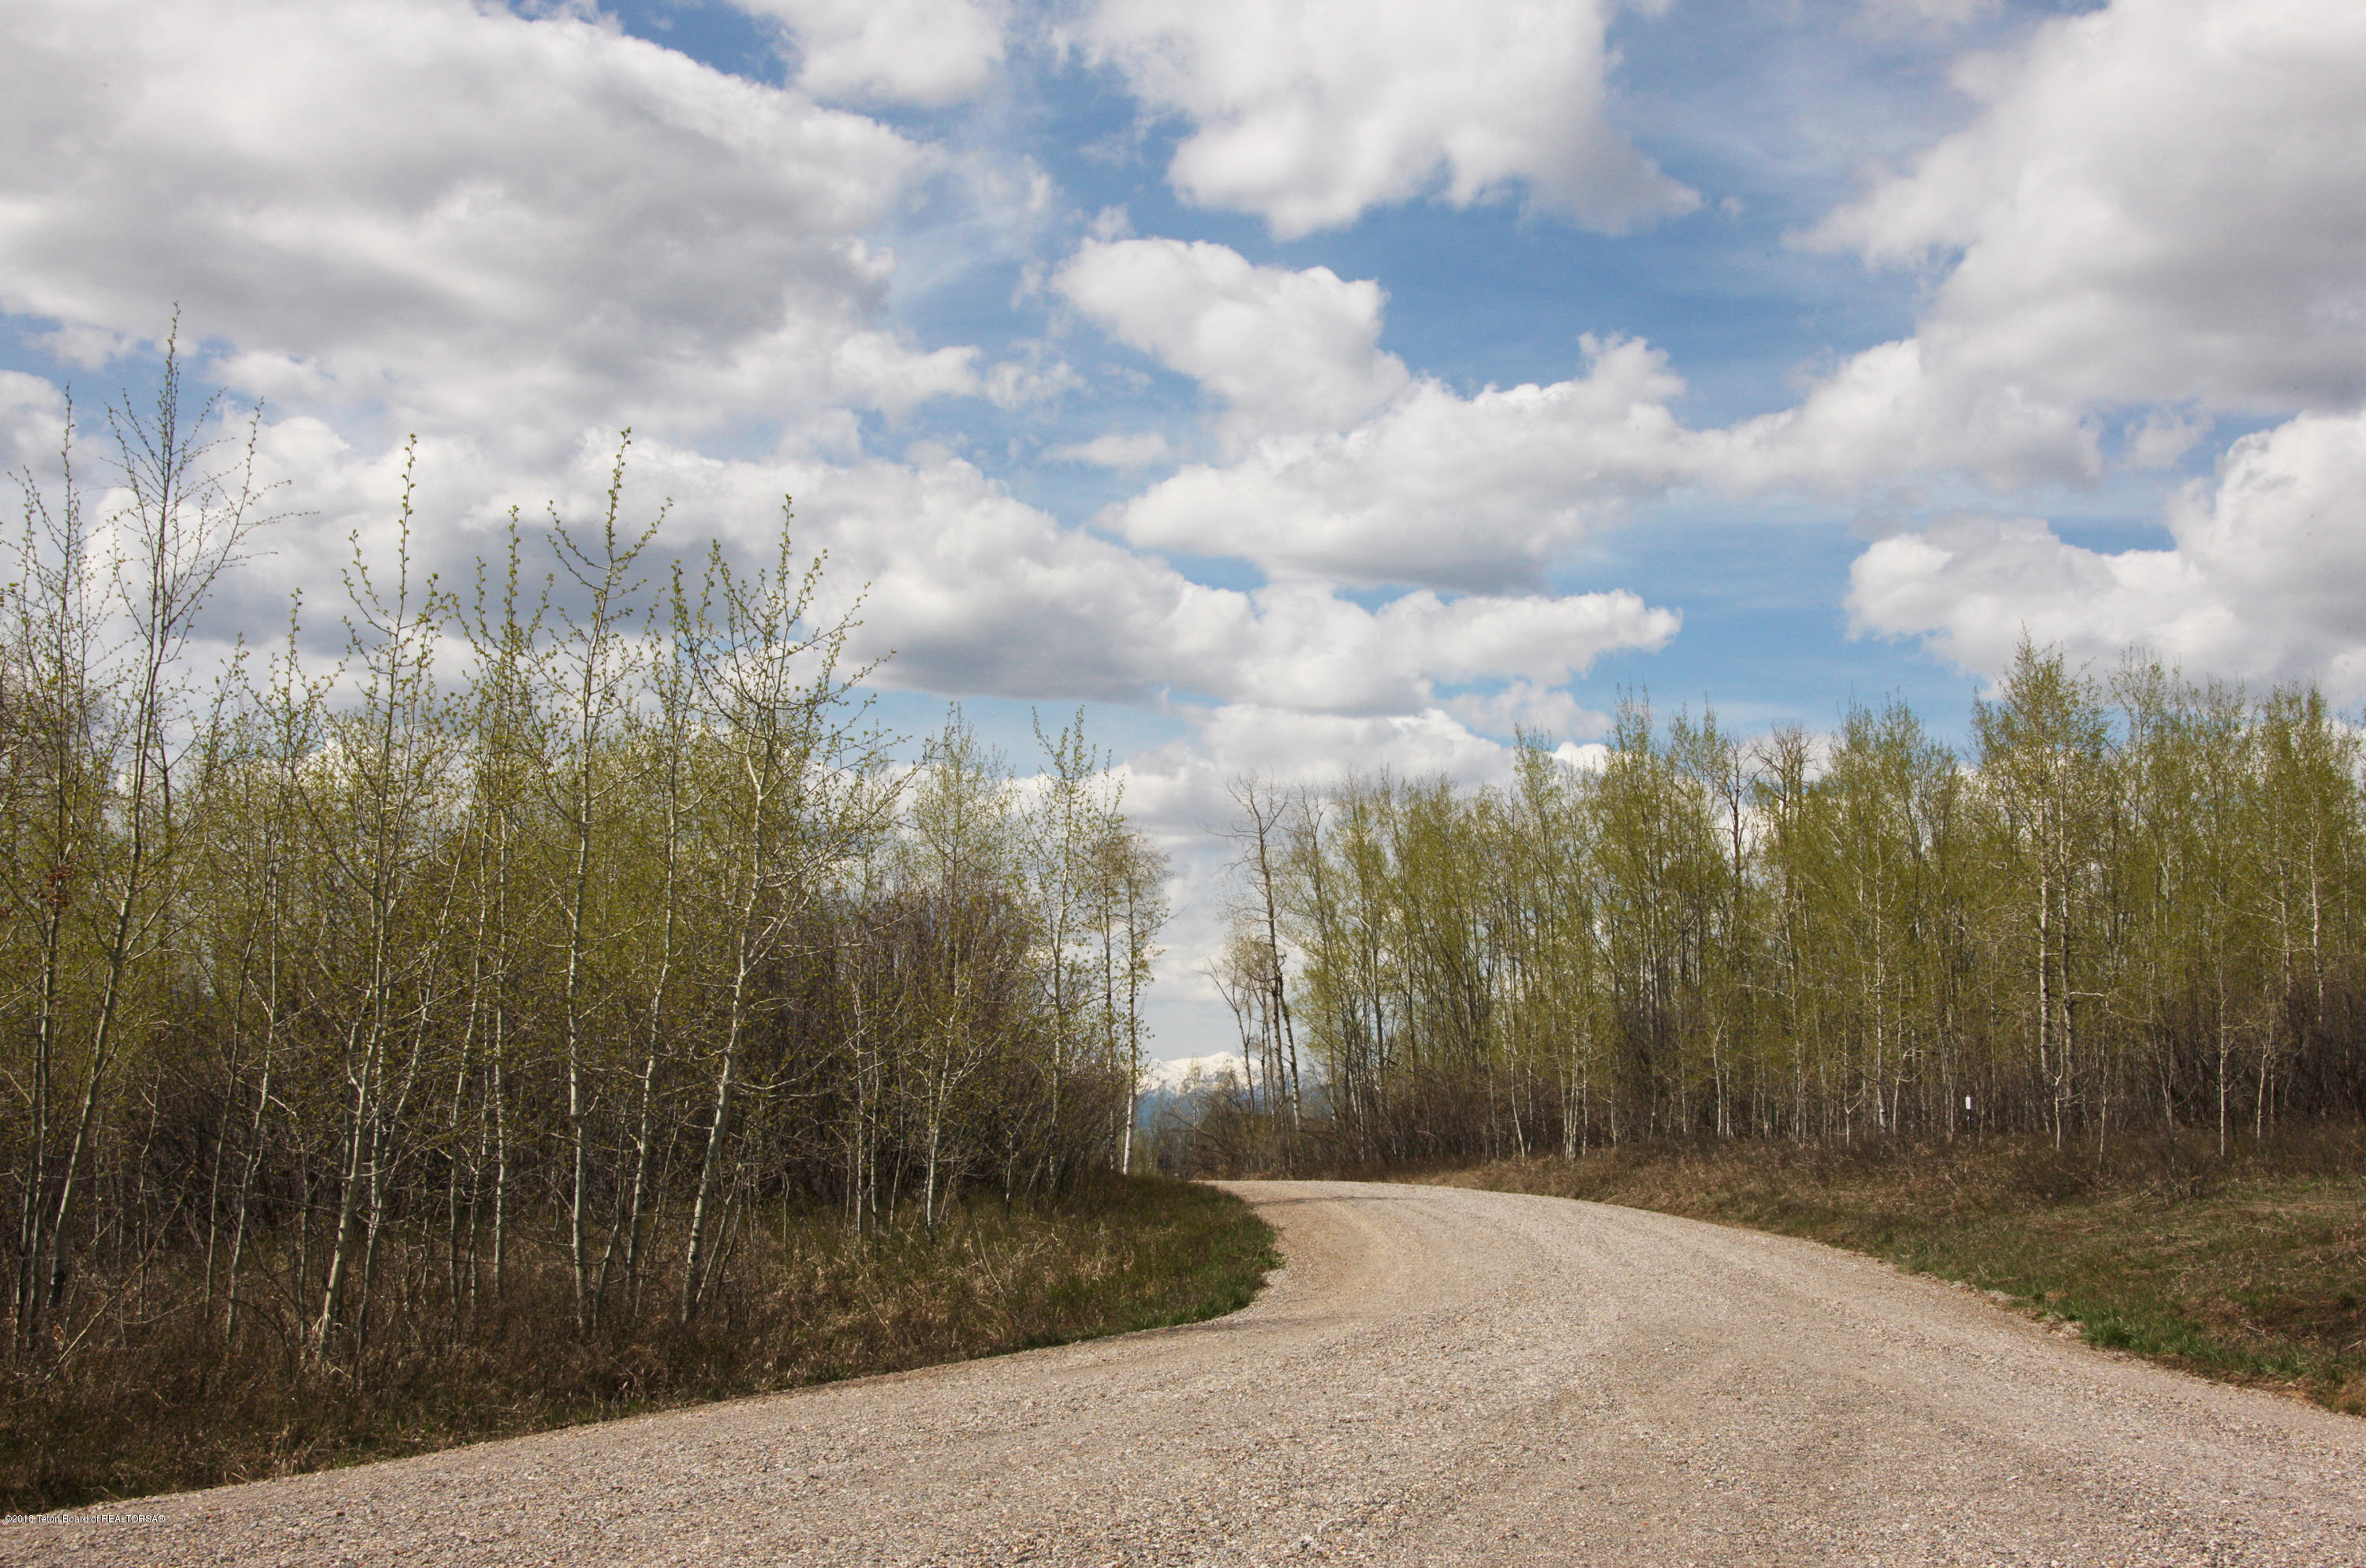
[1183, 784]
[1477, 493]
[1889, 411]
[976, 593]
[2159, 199]
[1309, 112]
[1339, 464]
[2157, 216]
[1302, 647]
[2260, 581]
[466, 216]
[928, 52]
[1283, 349]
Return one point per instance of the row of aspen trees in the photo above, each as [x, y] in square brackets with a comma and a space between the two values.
[2136, 904]
[562, 934]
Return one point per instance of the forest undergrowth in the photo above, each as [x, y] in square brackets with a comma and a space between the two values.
[171, 1409]
[2249, 1266]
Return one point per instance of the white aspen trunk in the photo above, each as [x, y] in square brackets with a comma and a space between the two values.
[254, 1135]
[695, 1250]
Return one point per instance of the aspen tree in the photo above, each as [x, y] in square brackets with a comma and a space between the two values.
[57, 778]
[2306, 822]
[787, 795]
[109, 718]
[373, 803]
[963, 867]
[1259, 831]
[665, 736]
[1130, 875]
[2042, 744]
[588, 668]
[282, 737]
[1065, 821]
[507, 753]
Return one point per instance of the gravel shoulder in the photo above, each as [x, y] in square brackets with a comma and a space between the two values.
[1438, 1376]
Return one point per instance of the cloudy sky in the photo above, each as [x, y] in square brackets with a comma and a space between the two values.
[1294, 384]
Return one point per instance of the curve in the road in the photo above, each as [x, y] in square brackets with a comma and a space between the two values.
[1438, 1376]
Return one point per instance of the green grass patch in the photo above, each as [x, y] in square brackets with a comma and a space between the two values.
[2249, 1267]
[172, 1408]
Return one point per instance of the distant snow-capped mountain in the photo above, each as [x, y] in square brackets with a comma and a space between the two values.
[1187, 1073]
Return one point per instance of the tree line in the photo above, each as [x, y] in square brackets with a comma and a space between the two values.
[550, 940]
[2133, 903]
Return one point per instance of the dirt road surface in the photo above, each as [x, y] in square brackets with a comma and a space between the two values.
[1436, 1377]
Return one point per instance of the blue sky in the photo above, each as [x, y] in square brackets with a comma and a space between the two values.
[1298, 385]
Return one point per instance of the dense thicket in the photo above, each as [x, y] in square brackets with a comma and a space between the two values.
[549, 943]
[2135, 902]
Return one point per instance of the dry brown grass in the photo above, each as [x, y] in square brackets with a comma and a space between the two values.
[164, 1406]
[2250, 1268]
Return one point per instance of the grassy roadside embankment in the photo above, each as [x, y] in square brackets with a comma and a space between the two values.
[168, 1414]
[2250, 1268]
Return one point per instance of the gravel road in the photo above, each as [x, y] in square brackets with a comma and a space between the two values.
[1438, 1376]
